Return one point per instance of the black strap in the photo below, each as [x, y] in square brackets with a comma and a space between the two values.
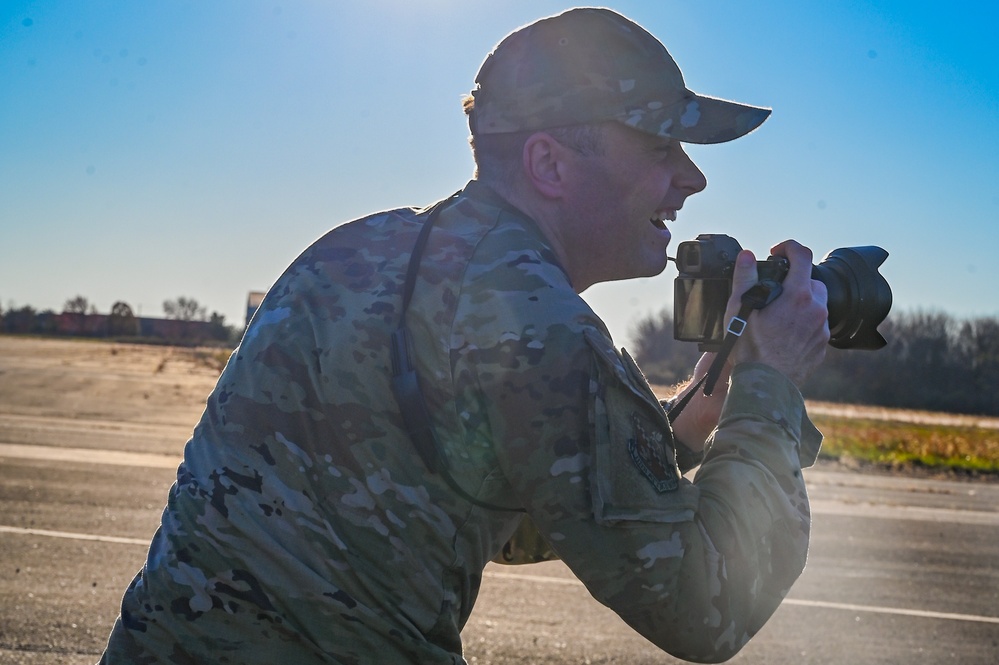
[414, 259]
[406, 383]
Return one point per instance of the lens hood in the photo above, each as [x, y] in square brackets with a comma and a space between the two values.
[859, 296]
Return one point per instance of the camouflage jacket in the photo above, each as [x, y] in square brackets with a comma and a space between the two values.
[303, 526]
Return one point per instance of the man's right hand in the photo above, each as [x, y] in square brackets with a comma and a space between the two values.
[790, 334]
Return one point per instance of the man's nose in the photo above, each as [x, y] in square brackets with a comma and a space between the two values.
[688, 177]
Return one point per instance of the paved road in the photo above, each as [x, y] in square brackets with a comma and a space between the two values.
[901, 570]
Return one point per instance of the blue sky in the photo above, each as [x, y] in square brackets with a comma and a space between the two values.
[156, 149]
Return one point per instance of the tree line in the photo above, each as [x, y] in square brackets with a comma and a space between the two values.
[80, 317]
[933, 362]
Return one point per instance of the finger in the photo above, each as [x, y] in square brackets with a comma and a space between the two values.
[799, 257]
[702, 365]
[820, 292]
[744, 277]
[745, 274]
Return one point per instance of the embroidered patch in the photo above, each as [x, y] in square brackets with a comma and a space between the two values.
[646, 449]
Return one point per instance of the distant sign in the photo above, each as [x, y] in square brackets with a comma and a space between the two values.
[253, 301]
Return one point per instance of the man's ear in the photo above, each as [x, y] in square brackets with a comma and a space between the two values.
[544, 167]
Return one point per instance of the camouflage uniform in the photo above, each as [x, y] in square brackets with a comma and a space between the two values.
[304, 528]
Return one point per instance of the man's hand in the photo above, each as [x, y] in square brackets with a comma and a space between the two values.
[700, 416]
[790, 334]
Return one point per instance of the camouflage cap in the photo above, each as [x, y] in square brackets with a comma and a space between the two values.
[591, 64]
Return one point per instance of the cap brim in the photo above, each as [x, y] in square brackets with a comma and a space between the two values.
[699, 119]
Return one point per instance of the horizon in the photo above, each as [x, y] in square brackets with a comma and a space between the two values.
[206, 316]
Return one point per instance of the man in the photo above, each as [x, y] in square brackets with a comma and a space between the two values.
[403, 403]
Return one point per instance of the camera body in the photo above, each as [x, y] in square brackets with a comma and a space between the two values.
[859, 297]
[702, 289]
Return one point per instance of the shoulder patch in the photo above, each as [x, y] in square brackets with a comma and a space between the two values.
[647, 452]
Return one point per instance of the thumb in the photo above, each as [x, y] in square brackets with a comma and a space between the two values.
[744, 277]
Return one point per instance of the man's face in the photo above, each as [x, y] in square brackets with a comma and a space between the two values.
[620, 200]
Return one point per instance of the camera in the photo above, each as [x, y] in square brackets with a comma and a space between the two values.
[859, 296]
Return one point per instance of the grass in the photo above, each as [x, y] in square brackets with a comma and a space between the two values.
[961, 448]
[903, 439]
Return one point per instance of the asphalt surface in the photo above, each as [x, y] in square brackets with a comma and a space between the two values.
[901, 569]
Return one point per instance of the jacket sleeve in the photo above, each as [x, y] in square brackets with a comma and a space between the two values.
[697, 567]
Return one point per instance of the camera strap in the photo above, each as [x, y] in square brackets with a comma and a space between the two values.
[406, 383]
[758, 296]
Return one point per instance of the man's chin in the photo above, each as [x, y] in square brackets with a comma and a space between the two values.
[645, 269]
[656, 266]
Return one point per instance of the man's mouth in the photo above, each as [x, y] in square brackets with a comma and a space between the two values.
[658, 220]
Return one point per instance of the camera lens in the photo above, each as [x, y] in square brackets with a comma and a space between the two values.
[859, 296]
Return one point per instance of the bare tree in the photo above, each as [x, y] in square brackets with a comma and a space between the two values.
[77, 305]
[184, 309]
